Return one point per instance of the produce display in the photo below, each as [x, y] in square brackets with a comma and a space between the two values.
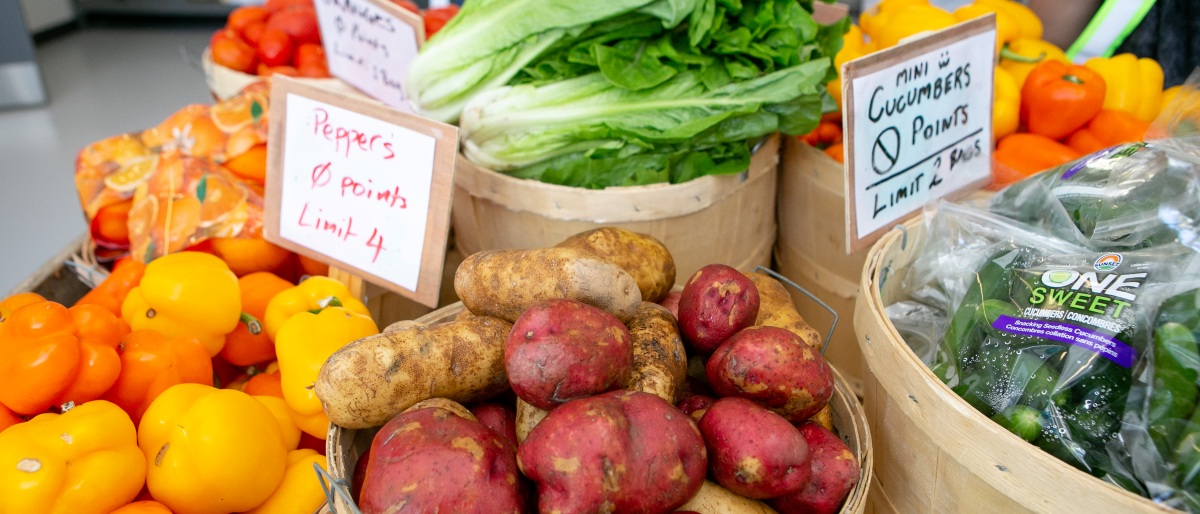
[1066, 311]
[157, 392]
[589, 400]
[628, 92]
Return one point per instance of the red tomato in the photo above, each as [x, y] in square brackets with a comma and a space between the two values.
[309, 54]
[314, 70]
[288, 71]
[234, 54]
[241, 17]
[275, 48]
[435, 19]
[298, 22]
[279, 5]
[408, 4]
[224, 34]
[254, 31]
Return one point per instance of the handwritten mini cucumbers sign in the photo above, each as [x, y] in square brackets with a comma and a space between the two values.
[360, 185]
[369, 44]
[919, 120]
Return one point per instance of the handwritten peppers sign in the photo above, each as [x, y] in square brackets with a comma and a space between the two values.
[920, 124]
[361, 185]
[370, 44]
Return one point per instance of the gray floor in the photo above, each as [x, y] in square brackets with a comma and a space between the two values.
[102, 82]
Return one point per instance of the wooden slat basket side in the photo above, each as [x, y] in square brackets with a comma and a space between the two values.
[728, 219]
[936, 453]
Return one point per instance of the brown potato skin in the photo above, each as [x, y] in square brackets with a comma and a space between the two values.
[714, 499]
[560, 350]
[643, 256]
[824, 417]
[370, 380]
[503, 283]
[622, 451]
[753, 451]
[659, 360]
[528, 417]
[776, 309]
[835, 472]
[773, 367]
[716, 303]
[441, 403]
[431, 460]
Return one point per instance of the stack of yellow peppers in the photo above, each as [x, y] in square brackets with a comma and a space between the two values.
[180, 444]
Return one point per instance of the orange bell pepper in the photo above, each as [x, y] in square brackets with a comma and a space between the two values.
[1085, 141]
[83, 461]
[1057, 99]
[152, 363]
[143, 507]
[1115, 127]
[267, 383]
[1032, 153]
[16, 301]
[54, 355]
[243, 348]
[8, 418]
[111, 293]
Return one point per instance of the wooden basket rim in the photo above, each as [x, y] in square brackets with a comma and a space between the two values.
[615, 204]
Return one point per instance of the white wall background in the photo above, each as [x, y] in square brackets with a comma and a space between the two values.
[44, 14]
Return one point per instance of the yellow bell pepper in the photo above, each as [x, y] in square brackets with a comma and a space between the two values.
[211, 451]
[1007, 29]
[312, 295]
[1133, 85]
[83, 461]
[1023, 55]
[287, 427]
[872, 20]
[1006, 109]
[300, 490]
[303, 345]
[853, 47]
[1028, 23]
[187, 294]
[909, 21]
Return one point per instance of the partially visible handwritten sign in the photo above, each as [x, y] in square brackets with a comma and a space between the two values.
[919, 126]
[361, 185]
[369, 44]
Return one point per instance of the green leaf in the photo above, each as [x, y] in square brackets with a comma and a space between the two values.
[202, 188]
[701, 21]
[633, 65]
[256, 111]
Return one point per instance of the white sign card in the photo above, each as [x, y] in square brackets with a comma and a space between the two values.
[370, 44]
[919, 126]
[361, 185]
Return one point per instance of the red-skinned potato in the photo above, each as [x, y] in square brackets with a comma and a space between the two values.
[559, 350]
[835, 473]
[623, 451]
[500, 419]
[773, 367]
[696, 405]
[753, 451]
[716, 303]
[671, 302]
[432, 460]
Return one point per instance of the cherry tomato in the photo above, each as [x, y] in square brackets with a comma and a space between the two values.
[234, 54]
[279, 5]
[314, 70]
[408, 4]
[288, 71]
[224, 34]
[298, 22]
[309, 54]
[435, 19]
[254, 31]
[275, 48]
[241, 17]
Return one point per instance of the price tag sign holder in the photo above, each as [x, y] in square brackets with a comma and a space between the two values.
[370, 44]
[918, 126]
[375, 209]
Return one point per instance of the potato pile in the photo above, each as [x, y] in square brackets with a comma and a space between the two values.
[574, 361]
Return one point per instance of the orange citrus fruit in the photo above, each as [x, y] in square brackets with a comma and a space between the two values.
[133, 174]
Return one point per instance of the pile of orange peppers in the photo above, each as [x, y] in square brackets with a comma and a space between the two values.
[1046, 112]
[172, 387]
